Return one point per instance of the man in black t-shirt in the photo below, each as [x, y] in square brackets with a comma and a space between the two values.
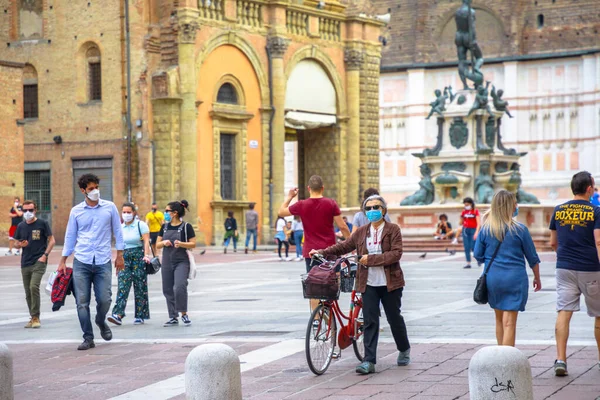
[16, 216]
[575, 235]
[34, 236]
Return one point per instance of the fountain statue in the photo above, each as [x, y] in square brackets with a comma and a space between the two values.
[469, 158]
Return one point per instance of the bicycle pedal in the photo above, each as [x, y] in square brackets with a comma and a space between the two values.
[336, 355]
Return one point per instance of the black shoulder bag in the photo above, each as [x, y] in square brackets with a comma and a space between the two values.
[480, 295]
[154, 265]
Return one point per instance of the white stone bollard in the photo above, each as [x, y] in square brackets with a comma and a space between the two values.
[212, 372]
[6, 374]
[499, 373]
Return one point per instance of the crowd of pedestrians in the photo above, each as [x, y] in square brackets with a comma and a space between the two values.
[501, 244]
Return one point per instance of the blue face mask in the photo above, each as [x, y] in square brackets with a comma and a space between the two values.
[374, 215]
[516, 212]
[167, 217]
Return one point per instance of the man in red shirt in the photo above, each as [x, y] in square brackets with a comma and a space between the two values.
[470, 221]
[318, 214]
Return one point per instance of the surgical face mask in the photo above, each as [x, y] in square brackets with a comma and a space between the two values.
[468, 208]
[29, 215]
[94, 195]
[127, 217]
[167, 217]
[516, 212]
[374, 215]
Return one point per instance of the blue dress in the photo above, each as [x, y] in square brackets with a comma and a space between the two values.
[507, 280]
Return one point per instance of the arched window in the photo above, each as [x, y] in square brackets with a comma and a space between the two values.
[30, 92]
[94, 73]
[227, 94]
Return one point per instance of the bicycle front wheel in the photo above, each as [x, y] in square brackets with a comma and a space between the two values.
[321, 335]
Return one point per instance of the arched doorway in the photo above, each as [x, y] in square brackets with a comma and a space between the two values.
[311, 128]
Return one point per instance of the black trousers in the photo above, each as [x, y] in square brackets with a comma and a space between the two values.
[392, 301]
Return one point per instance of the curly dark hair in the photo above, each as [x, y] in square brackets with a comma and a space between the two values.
[179, 207]
[85, 179]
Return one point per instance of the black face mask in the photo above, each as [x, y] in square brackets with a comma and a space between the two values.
[154, 210]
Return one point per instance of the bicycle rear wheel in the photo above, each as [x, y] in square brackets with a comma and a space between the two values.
[358, 343]
[321, 335]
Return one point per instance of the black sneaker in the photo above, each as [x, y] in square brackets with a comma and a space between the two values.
[105, 331]
[560, 368]
[186, 320]
[467, 266]
[171, 322]
[87, 344]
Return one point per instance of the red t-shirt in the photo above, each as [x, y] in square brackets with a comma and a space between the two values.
[470, 218]
[317, 218]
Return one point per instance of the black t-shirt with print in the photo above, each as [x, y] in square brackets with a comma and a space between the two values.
[37, 234]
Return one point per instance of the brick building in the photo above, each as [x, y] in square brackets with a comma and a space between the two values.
[11, 140]
[545, 54]
[217, 88]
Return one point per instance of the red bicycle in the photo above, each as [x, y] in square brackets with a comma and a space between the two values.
[321, 333]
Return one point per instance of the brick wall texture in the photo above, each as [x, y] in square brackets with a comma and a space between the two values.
[11, 142]
[423, 31]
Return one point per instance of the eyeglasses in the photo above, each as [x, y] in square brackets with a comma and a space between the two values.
[167, 211]
[369, 208]
[29, 209]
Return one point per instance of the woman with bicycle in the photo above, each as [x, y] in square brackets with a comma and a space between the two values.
[379, 279]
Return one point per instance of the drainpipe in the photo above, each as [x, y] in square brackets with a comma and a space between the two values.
[270, 58]
[128, 117]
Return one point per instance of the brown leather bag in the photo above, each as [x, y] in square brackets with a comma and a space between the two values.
[322, 283]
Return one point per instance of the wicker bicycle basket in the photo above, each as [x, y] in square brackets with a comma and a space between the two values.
[319, 292]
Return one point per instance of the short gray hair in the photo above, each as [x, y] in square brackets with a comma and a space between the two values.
[375, 197]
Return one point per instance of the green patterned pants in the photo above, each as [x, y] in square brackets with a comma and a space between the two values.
[134, 272]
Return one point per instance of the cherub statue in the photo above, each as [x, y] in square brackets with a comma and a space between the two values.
[481, 100]
[425, 194]
[499, 103]
[439, 105]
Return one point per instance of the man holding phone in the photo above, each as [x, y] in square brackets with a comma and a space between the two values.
[35, 237]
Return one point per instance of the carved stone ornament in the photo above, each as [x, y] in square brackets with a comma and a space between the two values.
[187, 31]
[277, 46]
[454, 166]
[459, 133]
[490, 132]
[354, 59]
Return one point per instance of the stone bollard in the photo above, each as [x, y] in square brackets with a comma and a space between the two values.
[498, 373]
[212, 372]
[6, 374]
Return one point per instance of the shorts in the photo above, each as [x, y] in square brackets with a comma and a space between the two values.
[153, 237]
[11, 232]
[570, 285]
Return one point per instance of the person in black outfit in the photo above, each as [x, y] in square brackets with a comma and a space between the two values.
[231, 231]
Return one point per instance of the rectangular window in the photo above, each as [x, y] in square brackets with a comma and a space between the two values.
[30, 101]
[228, 167]
[38, 189]
[95, 81]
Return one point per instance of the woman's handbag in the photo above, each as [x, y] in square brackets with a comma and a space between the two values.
[154, 265]
[480, 294]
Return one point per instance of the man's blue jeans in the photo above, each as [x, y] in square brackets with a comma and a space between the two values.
[84, 275]
[468, 241]
[254, 234]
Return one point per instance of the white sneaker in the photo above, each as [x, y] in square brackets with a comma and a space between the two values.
[299, 259]
[8, 253]
[436, 237]
[17, 253]
[280, 258]
[288, 259]
[455, 241]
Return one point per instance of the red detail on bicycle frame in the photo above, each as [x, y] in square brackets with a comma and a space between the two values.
[345, 337]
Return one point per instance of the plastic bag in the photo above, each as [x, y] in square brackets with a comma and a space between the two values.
[50, 283]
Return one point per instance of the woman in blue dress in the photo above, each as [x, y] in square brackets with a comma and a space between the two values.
[507, 279]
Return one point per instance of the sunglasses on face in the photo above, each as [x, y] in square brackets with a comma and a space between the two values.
[168, 211]
[29, 209]
[369, 208]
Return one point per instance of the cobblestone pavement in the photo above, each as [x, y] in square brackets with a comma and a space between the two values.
[254, 304]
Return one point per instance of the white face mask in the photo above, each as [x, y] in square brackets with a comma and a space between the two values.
[127, 217]
[94, 195]
[468, 208]
[29, 215]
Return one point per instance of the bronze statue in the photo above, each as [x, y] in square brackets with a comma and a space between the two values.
[484, 184]
[439, 105]
[425, 194]
[466, 40]
[499, 103]
[481, 100]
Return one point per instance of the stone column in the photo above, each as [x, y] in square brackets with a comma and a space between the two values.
[188, 24]
[278, 46]
[354, 59]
